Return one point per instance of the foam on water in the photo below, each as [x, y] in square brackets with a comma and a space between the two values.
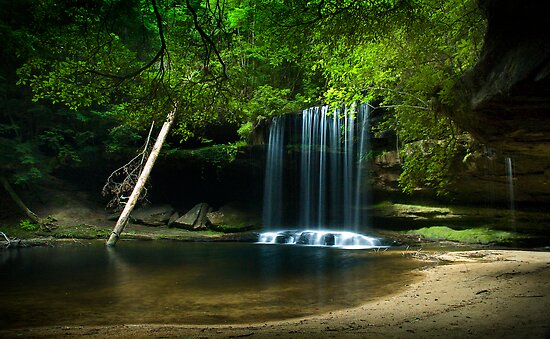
[339, 239]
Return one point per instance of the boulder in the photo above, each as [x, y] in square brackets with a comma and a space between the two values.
[216, 218]
[230, 218]
[175, 216]
[152, 215]
[195, 219]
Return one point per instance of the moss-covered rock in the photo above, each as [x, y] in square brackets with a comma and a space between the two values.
[395, 216]
[468, 236]
[232, 219]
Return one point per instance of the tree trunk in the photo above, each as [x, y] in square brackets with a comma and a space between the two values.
[125, 215]
[30, 214]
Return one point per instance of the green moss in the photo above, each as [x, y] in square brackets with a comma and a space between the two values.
[233, 228]
[411, 208]
[469, 236]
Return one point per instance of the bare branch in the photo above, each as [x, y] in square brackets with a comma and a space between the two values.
[207, 40]
[159, 56]
[399, 92]
[120, 189]
[406, 106]
[8, 241]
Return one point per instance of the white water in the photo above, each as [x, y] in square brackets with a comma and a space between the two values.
[326, 183]
[340, 239]
[511, 191]
[326, 186]
[273, 186]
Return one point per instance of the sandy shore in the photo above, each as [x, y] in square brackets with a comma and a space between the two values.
[481, 294]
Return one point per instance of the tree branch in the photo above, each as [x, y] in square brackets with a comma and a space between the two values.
[399, 92]
[407, 106]
[207, 41]
[160, 54]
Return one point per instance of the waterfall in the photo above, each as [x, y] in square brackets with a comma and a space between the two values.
[330, 177]
[273, 186]
[510, 182]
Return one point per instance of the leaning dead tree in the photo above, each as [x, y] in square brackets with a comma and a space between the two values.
[13, 195]
[121, 182]
[46, 224]
[162, 60]
[142, 179]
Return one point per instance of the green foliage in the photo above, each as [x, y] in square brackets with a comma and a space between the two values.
[29, 226]
[218, 155]
[408, 66]
[427, 165]
[268, 101]
[100, 73]
[245, 131]
[122, 136]
[22, 160]
[470, 236]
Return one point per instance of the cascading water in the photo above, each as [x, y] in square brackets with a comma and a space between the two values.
[273, 186]
[330, 185]
[511, 193]
[340, 239]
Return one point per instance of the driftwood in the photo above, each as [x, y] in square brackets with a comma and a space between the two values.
[7, 242]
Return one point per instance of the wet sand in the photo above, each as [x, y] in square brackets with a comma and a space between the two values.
[478, 294]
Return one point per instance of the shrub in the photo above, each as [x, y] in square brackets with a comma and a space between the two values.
[27, 225]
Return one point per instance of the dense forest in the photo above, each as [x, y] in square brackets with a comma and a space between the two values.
[82, 79]
[307, 168]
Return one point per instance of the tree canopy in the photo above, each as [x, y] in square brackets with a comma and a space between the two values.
[120, 64]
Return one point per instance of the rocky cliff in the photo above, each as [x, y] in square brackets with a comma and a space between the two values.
[505, 99]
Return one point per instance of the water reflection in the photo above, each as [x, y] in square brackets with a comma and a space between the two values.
[188, 283]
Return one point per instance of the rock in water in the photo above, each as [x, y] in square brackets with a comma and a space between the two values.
[195, 219]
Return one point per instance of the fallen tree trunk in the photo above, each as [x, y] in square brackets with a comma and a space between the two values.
[125, 215]
[13, 195]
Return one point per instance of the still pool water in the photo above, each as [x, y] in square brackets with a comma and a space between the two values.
[189, 283]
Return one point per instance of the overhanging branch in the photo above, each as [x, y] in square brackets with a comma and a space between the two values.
[158, 56]
[207, 40]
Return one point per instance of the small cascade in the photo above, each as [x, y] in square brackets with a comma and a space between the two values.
[510, 184]
[339, 239]
[490, 159]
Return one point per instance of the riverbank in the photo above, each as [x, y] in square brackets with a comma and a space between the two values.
[485, 293]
